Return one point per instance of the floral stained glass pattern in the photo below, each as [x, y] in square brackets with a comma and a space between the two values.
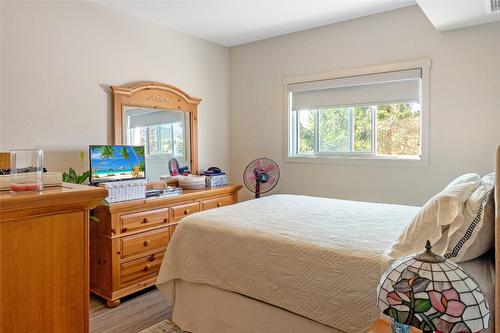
[437, 297]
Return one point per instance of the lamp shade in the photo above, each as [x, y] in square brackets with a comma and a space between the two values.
[430, 293]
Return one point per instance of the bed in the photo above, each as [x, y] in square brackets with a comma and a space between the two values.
[281, 268]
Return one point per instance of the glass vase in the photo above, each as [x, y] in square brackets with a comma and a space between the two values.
[26, 169]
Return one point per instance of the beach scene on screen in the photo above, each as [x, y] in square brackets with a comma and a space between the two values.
[111, 163]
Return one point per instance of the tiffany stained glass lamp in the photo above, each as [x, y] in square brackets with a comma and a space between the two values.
[433, 294]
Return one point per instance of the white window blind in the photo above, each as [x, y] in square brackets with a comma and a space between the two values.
[379, 88]
[143, 119]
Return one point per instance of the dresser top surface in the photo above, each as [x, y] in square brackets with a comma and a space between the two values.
[51, 196]
[186, 195]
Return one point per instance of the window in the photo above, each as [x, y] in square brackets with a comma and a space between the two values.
[163, 133]
[370, 116]
[160, 140]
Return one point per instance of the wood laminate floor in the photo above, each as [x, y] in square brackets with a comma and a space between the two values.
[134, 314]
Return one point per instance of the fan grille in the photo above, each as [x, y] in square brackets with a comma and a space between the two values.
[257, 166]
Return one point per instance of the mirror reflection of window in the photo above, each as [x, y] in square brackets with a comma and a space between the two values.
[163, 133]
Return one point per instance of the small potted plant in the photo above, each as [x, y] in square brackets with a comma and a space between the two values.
[72, 177]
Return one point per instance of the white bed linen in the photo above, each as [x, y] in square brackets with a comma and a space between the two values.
[319, 258]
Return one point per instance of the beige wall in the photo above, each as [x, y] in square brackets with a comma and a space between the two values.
[58, 58]
[464, 102]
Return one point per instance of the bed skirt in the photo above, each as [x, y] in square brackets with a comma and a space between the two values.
[201, 308]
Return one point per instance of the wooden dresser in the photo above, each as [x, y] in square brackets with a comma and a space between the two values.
[44, 259]
[128, 243]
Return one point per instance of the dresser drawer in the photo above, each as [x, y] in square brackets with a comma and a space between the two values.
[145, 242]
[143, 220]
[141, 268]
[217, 202]
[180, 211]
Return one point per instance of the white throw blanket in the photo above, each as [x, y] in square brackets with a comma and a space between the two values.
[319, 258]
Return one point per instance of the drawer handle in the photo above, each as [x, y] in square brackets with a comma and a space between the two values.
[145, 220]
[146, 268]
[165, 220]
[151, 258]
[219, 203]
[124, 230]
[146, 242]
[186, 212]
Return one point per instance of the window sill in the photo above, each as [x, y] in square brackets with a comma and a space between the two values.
[397, 161]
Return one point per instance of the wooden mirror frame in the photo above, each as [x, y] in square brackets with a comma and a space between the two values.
[157, 96]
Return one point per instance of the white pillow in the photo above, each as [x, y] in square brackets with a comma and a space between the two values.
[477, 234]
[439, 217]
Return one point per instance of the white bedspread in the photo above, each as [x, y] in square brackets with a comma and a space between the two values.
[319, 258]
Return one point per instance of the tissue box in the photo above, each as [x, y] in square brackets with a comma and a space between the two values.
[214, 181]
[125, 190]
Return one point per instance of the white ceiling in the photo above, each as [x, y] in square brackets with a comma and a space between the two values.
[448, 15]
[233, 22]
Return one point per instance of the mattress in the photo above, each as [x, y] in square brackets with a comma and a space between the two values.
[318, 258]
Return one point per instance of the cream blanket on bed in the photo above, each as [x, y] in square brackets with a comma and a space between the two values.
[319, 258]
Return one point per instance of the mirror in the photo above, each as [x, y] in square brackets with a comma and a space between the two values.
[160, 117]
[163, 133]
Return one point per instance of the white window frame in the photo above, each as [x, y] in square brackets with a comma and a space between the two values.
[161, 156]
[360, 158]
[164, 154]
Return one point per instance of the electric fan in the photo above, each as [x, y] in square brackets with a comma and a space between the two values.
[261, 176]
